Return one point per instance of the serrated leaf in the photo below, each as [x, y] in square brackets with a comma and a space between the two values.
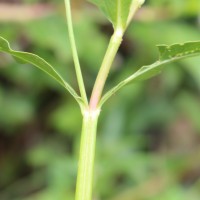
[25, 57]
[118, 11]
[167, 54]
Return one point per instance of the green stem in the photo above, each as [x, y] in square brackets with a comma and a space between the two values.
[87, 154]
[111, 52]
[74, 52]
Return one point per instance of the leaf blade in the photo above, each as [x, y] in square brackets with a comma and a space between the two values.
[167, 54]
[40, 63]
[118, 11]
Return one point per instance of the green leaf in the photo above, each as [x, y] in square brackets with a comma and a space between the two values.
[118, 12]
[167, 54]
[40, 63]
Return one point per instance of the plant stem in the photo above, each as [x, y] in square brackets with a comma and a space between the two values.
[87, 154]
[111, 52]
[74, 52]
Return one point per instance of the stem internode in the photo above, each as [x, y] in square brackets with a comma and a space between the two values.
[87, 154]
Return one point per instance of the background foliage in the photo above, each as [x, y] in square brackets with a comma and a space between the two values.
[149, 134]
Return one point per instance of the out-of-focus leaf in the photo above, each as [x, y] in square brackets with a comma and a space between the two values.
[39, 62]
[63, 124]
[118, 12]
[167, 54]
[15, 110]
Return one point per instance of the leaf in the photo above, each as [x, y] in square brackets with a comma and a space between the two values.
[118, 11]
[167, 54]
[40, 63]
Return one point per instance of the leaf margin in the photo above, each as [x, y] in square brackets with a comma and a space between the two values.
[28, 58]
[155, 68]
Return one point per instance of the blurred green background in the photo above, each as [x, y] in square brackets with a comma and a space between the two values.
[148, 142]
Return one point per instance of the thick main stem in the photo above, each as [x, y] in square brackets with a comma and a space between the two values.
[113, 47]
[87, 154]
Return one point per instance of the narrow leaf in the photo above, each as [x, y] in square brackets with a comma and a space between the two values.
[167, 54]
[38, 62]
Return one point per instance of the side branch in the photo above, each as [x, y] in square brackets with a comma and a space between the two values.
[113, 47]
[74, 52]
